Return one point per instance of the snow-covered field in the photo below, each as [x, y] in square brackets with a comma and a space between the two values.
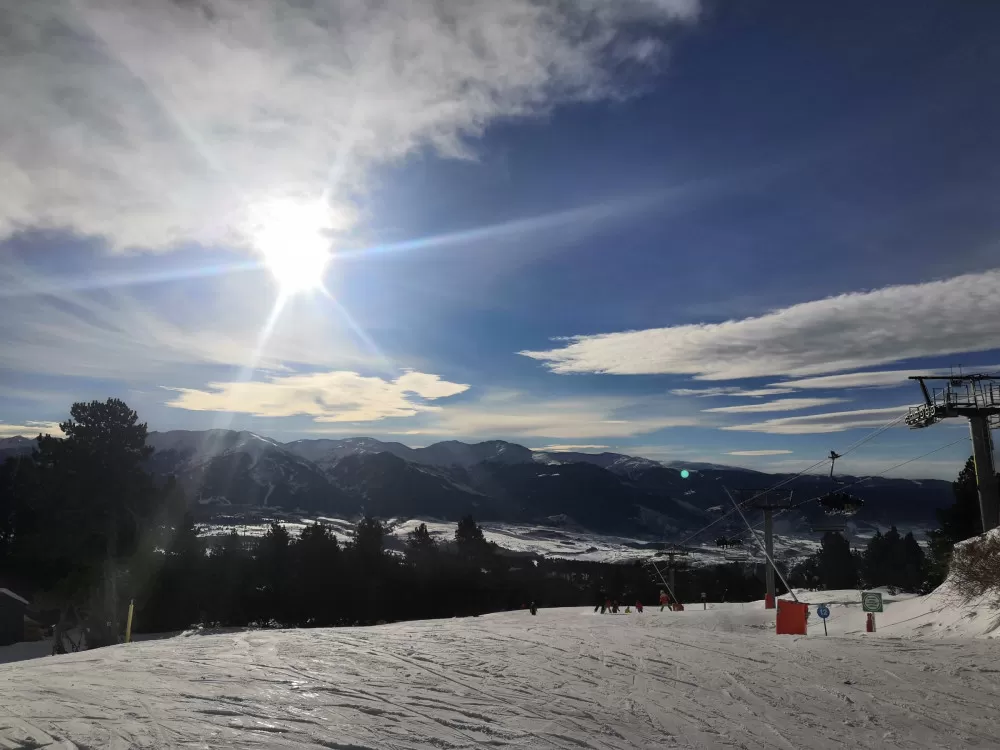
[565, 679]
[549, 541]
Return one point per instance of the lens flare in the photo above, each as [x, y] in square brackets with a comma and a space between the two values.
[293, 238]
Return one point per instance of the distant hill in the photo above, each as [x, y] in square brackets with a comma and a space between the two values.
[494, 480]
[15, 446]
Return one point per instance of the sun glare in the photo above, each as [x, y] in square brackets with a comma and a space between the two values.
[293, 239]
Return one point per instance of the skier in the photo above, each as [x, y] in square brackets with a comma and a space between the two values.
[534, 609]
[614, 607]
[664, 600]
[607, 606]
[638, 607]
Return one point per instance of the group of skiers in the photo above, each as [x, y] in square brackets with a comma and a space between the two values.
[611, 606]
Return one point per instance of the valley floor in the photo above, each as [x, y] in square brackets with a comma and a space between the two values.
[565, 679]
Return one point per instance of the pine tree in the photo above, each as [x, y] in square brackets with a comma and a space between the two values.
[470, 540]
[837, 566]
[229, 582]
[274, 564]
[875, 561]
[914, 564]
[419, 543]
[97, 499]
[317, 576]
[369, 539]
[173, 598]
[959, 522]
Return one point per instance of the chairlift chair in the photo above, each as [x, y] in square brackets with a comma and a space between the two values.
[821, 528]
[839, 503]
[725, 542]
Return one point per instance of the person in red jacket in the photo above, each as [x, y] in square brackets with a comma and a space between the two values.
[638, 607]
[664, 600]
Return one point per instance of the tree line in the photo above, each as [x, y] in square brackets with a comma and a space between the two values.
[891, 559]
[85, 529]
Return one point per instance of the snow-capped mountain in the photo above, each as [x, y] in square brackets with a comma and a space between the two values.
[241, 468]
[494, 481]
[616, 462]
[450, 453]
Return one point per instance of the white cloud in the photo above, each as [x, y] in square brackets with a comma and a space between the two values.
[572, 448]
[758, 453]
[879, 379]
[561, 419]
[782, 404]
[822, 423]
[325, 396]
[30, 429]
[156, 121]
[851, 331]
[730, 391]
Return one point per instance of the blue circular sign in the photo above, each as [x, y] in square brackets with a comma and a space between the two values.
[823, 611]
[685, 473]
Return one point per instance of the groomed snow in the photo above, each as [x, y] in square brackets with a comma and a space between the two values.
[565, 679]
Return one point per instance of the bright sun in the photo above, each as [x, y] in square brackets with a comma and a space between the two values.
[292, 238]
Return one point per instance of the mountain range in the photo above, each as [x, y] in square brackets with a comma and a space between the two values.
[226, 471]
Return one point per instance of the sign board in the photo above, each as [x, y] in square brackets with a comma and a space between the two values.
[823, 611]
[871, 601]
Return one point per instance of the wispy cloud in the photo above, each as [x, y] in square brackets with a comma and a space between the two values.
[30, 429]
[730, 391]
[124, 335]
[822, 423]
[560, 419]
[156, 122]
[783, 404]
[851, 331]
[324, 396]
[878, 379]
[758, 453]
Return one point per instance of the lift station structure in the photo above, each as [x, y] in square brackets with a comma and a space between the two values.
[977, 398]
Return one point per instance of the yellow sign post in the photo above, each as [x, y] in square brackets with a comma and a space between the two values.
[128, 625]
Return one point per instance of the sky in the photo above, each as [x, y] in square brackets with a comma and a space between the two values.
[689, 230]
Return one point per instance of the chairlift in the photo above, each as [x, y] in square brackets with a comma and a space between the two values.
[839, 503]
[822, 528]
[725, 542]
[736, 556]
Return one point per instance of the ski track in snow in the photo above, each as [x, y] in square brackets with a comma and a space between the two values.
[566, 679]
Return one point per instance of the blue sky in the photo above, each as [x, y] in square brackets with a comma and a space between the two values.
[691, 231]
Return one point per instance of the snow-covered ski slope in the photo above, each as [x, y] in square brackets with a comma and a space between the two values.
[566, 679]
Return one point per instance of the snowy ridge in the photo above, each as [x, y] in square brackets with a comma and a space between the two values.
[945, 614]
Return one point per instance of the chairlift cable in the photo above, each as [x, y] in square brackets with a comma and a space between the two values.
[854, 446]
[867, 478]
[886, 471]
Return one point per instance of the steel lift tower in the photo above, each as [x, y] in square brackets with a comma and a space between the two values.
[767, 501]
[976, 397]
